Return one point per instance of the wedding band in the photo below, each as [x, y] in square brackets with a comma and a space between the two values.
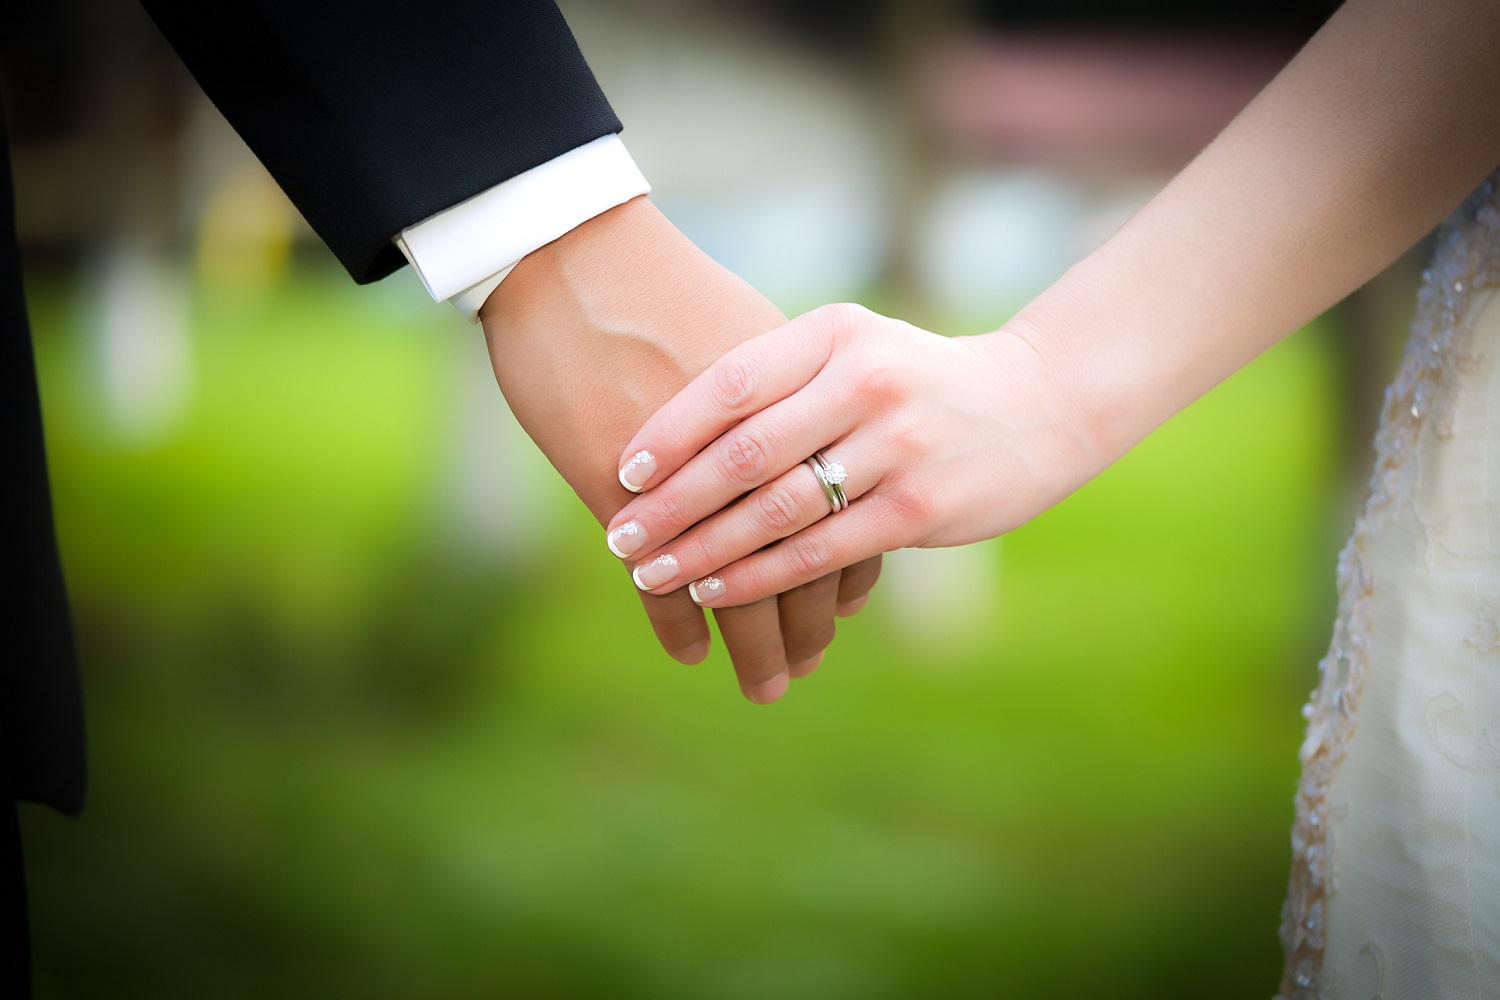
[831, 476]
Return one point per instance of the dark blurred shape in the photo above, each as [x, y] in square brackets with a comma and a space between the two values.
[1298, 17]
[40, 59]
[41, 722]
[97, 104]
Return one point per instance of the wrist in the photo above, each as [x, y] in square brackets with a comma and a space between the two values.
[593, 332]
[1086, 400]
[569, 268]
[1118, 361]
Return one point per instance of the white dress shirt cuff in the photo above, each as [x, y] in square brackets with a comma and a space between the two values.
[464, 252]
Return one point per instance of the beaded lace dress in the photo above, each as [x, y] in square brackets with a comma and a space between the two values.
[1395, 884]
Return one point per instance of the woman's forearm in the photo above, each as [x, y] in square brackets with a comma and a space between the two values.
[1382, 125]
[1368, 138]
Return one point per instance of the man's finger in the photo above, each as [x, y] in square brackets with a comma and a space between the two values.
[679, 624]
[855, 584]
[752, 635]
[807, 622]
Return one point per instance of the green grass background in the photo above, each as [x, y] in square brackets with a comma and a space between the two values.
[336, 753]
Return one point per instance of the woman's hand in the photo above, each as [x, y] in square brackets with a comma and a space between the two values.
[945, 441]
[593, 332]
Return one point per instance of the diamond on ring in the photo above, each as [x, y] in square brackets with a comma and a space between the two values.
[830, 476]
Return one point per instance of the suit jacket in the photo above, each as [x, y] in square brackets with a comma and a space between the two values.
[372, 116]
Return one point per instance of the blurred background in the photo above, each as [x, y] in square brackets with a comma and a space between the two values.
[373, 712]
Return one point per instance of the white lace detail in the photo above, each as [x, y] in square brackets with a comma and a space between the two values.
[1377, 956]
[1425, 393]
[1484, 633]
[1460, 736]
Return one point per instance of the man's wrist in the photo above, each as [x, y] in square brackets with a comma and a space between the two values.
[573, 265]
[462, 253]
[593, 332]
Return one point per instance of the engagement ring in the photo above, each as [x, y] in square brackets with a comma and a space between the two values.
[831, 476]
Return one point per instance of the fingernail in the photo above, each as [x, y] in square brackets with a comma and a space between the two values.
[706, 589]
[768, 691]
[806, 666]
[851, 607]
[658, 571]
[692, 654]
[626, 540]
[637, 472]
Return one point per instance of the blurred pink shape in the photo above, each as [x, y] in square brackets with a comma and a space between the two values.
[1074, 99]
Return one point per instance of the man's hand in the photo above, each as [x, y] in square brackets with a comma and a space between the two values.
[589, 336]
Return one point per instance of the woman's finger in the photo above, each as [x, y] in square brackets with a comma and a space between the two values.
[872, 524]
[855, 584]
[752, 635]
[791, 503]
[753, 452]
[749, 378]
[807, 623]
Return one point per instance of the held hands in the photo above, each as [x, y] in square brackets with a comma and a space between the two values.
[588, 336]
[945, 441]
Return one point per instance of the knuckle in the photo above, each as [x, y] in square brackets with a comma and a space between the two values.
[816, 640]
[778, 510]
[672, 514]
[735, 381]
[746, 456]
[844, 317]
[905, 434]
[750, 579]
[909, 505]
[881, 380]
[700, 549]
[679, 436]
[807, 556]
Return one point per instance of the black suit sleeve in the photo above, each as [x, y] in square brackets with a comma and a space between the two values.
[375, 115]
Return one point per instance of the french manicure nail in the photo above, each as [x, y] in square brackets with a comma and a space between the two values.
[706, 589]
[638, 471]
[768, 691]
[658, 571]
[626, 540]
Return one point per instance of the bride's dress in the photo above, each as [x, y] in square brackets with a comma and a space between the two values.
[1395, 885]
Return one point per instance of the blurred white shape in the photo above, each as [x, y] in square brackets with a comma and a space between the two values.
[942, 599]
[138, 304]
[996, 238]
[503, 500]
[769, 157]
[809, 243]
